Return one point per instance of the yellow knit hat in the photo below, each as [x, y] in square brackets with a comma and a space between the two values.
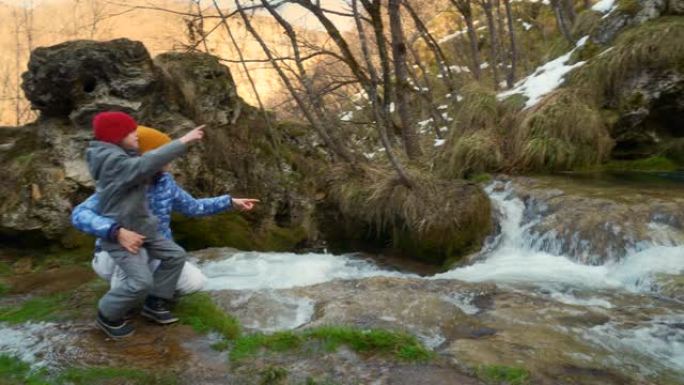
[149, 139]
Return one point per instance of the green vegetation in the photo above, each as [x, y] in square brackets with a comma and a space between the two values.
[273, 375]
[4, 289]
[249, 345]
[654, 163]
[13, 371]
[561, 132]
[400, 345]
[503, 375]
[435, 220]
[103, 375]
[198, 311]
[473, 153]
[233, 230]
[656, 44]
[5, 269]
[586, 22]
[630, 7]
[36, 309]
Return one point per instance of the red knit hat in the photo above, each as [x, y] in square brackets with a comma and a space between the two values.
[113, 126]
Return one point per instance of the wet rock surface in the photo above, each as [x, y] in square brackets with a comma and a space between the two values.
[581, 337]
[471, 325]
[596, 220]
[43, 167]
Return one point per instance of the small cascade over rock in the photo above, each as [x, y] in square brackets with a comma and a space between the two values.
[557, 234]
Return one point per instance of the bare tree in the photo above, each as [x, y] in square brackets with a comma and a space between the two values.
[510, 78]
[402, 90]
[335, 148]
[431, 42]
[382, 120]
[561, 20]
[465, 9]
[494, 38]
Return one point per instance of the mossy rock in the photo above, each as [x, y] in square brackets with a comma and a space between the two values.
[586, 22]
[435, 221]
[674, 150]
[233, 230]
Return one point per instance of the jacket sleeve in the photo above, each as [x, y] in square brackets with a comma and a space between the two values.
[185, 204]
[86, 218]
[133, 170]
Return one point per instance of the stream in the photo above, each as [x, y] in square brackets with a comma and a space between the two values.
[532, 296]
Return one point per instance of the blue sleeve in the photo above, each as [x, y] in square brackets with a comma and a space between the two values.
[86, 219]
[185, 204]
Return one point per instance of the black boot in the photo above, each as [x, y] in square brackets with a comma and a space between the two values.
[157, 309]
[114, 329]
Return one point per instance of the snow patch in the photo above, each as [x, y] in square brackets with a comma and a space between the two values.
[603, 6]
[545, 78]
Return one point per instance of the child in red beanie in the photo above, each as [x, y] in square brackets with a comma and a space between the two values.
[121, 180]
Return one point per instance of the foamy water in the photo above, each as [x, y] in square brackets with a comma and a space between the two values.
[254, 270]
[514, 261]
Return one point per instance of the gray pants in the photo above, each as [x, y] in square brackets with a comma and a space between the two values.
[141, 282]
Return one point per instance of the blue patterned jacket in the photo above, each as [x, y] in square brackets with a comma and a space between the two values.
[164, 196]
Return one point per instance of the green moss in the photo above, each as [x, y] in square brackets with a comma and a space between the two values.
[586, 52]
[233, 230]
[503, 375]
[273, 375]
[78, 243]
[654, 163]
[400, 345]
[630, 7]
[654, 45]
[481, 178]
[586, 22]
[434, 220]
[13, 371]
[105, 375]
[472, 153]
[561, 132]
[222, 230]
[3, 289]
[36, 309]
[200, 312]
[221, 345]
[674, 150]
[278, 238]
[5, 269]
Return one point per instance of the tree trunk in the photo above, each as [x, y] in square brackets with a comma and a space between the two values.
[430, 41]
[402, 90]
[487, 7]
[510, 79]
[382, 123]
[465, 9]
[560, 20]
[337, 150]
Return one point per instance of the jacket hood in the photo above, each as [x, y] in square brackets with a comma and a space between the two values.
[97, 153]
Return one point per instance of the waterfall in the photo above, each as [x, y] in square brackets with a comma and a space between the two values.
[524, 257]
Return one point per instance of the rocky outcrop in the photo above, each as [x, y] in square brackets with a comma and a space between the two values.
[598, 221]
[43, 168]
[642, 80]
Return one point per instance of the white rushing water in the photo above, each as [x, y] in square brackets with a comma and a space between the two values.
[255, 270]
[515, 261]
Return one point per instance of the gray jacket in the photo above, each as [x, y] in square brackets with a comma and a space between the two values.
[122, 178]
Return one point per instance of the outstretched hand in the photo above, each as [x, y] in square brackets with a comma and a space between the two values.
[196, 134]
[244, 204]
